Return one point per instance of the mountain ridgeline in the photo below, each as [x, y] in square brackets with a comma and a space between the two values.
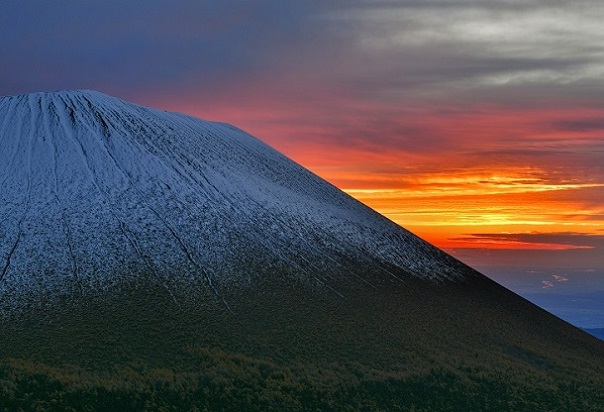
[153, 260]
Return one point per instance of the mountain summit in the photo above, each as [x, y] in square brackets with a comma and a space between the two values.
[153, 260]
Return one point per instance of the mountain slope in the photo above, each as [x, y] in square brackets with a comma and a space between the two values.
[99, 184]
[152, 260]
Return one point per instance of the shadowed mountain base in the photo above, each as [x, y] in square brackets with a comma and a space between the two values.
[287, 346]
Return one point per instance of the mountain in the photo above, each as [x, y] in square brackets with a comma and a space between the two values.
[92, 185]
[153, 260]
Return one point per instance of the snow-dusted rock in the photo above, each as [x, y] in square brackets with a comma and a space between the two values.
[93, 188]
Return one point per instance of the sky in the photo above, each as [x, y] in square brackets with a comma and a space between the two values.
[476, 124]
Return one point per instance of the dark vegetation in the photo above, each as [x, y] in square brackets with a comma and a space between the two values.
[297, 347]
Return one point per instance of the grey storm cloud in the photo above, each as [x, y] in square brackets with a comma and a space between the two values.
[477, 44]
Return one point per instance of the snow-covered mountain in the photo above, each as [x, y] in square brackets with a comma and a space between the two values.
[93, 188]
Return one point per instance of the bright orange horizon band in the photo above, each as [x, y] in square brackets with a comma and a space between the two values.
[483, 219]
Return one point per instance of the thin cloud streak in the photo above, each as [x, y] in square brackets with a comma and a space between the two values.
[546, 241]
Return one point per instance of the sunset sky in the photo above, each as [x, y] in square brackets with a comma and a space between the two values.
[478, 125]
